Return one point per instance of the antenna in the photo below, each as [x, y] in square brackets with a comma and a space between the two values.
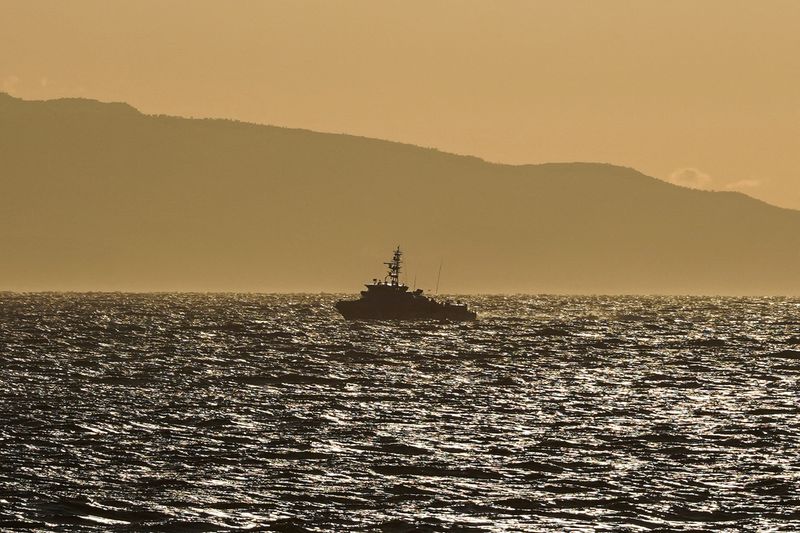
[439, 276]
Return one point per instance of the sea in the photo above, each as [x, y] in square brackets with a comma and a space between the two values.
[217, 412]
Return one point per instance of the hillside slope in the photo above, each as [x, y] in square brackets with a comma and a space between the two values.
[97, 196]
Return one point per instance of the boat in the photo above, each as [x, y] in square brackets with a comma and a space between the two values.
[389, 299]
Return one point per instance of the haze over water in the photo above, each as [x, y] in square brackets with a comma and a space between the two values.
[212, 412]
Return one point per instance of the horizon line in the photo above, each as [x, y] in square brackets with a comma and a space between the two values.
[4, 292]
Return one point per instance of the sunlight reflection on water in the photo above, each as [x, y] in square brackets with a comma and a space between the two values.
[241, 411]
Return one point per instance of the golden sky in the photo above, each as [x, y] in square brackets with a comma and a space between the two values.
[701, 92]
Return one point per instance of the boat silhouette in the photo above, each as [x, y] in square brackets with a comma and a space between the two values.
[391, 300]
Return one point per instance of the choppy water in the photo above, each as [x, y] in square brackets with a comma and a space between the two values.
[209, 412]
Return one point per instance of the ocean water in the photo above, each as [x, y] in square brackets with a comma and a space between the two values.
[180, 412]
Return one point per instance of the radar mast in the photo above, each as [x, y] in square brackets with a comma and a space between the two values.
[394, 268]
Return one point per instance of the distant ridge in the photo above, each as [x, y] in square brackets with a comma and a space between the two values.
[98, 196]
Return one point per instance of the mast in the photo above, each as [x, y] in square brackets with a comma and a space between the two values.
[439, 276]
[394, 268]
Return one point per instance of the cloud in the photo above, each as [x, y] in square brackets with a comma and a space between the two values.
[10, 83]
[743, 184]
[697, 179]
[690, 177]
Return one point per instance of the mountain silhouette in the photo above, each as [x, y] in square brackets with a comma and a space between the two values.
[98, 196]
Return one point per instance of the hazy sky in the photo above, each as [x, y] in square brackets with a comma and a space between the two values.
[705, 93]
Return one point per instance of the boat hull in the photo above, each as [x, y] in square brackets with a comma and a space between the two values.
[430, 310]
